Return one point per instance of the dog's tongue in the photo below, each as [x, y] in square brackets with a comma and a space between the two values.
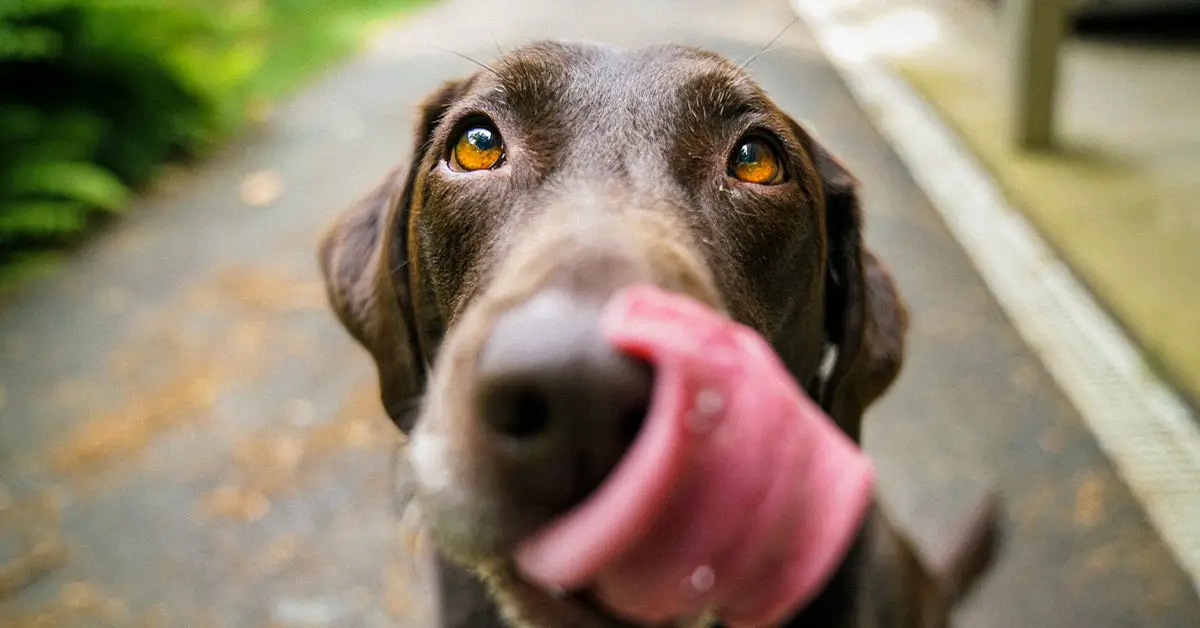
[739, 495]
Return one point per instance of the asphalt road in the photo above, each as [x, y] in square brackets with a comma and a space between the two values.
[187, 438]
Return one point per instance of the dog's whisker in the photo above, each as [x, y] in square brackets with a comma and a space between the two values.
[468, 58]
[774, 39]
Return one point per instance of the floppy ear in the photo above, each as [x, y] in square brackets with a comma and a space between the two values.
[865, 319]
[364, 259]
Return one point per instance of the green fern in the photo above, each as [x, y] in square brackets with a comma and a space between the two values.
[110, 89]
[103, 92]
[43, 219]
[28, 43]
[84, 183]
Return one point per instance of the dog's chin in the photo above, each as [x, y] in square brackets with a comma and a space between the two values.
[523, 605]
[458, 505]
[526, 606]
[478, 536]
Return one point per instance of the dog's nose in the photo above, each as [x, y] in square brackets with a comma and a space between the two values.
[559, 404]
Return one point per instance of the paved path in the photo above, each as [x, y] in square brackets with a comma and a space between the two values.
[188, 439]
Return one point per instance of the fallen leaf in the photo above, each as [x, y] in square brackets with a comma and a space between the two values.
[262, 290]
[1101, 561]
[261, 188]
[120, 434]
[44, 554]
[1161, 597]
[233, 501]
[1089, 502]
[1052, 440]
[156, 617]
[276, 554]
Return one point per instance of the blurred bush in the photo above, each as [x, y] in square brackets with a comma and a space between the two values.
[95, 95]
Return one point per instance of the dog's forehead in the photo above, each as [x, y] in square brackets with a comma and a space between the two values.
[597, 79]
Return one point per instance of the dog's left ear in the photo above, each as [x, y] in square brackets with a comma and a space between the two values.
[865, 318]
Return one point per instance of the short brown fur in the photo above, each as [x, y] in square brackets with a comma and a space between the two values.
[616, 175]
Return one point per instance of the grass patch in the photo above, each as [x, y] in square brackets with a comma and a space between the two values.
[110, 90]
[306, 36]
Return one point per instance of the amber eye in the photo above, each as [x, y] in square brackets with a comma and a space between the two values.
[755, 161]
[478, 148]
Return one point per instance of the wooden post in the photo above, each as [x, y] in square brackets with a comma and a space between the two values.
[1037, 28]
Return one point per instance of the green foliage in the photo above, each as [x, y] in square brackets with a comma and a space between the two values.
[95, 95]
[75, 181]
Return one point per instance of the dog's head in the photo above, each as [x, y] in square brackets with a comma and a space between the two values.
[537, 188]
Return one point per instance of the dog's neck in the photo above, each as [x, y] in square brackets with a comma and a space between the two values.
[879, 584]
[836, 605]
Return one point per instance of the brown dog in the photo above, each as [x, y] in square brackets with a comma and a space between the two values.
[539, 187]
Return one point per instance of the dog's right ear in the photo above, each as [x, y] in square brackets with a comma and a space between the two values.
[364, 259]
[865, 318]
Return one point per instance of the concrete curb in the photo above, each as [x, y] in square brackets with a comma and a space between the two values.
[1147, 431]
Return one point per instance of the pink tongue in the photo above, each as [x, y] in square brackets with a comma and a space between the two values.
[738, 495]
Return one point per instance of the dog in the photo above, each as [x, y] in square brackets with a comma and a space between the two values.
[576, 170]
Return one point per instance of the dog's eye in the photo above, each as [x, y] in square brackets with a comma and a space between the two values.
[755, 161]
[478, 148]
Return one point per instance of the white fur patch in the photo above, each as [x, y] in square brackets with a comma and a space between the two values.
[828, 361]
[430, 457]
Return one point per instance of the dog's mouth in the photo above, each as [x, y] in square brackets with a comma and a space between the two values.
[589, 602]
[737, 494]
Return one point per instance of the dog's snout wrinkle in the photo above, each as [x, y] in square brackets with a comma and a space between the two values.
[558, 403]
